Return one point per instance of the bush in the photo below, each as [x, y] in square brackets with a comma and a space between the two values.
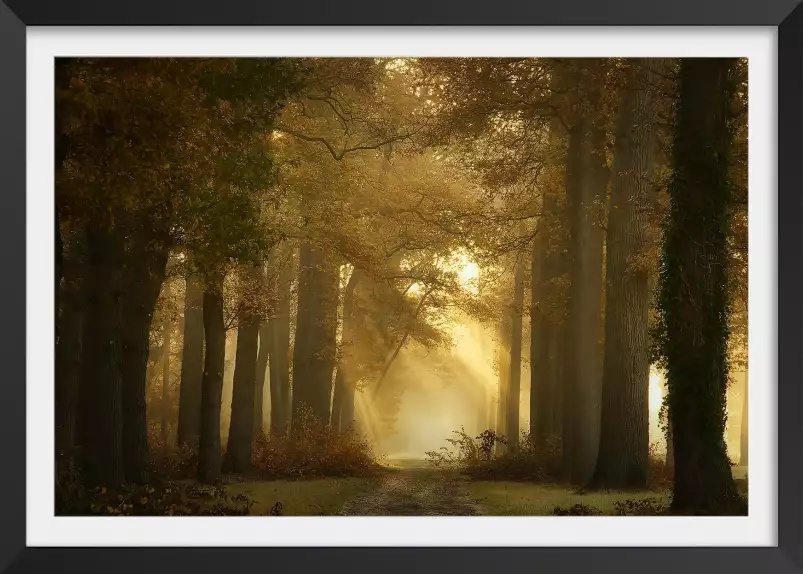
[174, 464]
[159, 498]
[577, 510]
[476, 457]
[661, 475]
[643, 507]
[313, 450]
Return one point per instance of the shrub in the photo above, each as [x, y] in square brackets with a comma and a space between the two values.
[661, 475]
[174, 464]
[643, 507]
[160, 498]
[312, 449]
[475, 456]
[577, 510]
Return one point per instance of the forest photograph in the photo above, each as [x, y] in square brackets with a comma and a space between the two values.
[401, 286]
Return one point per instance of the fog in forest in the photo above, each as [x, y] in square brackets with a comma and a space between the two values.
[447, 286]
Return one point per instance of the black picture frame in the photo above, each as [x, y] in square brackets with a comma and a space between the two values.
[787, 15]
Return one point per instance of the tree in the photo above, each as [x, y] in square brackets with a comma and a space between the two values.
[241, 428]
[99, 430]
[503, 354]
[547, 304]
[316, 331]
[165, 406]
[514, 380]
[693, 299]
[343, 400]
[212, 383]
[192, 359]
[279, 333]
[623, 458]
[69, 349]
[744, 435]
[144, 136]
[586, 181]
[261, 377]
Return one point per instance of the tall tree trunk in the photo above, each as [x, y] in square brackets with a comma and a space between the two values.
[316, 333]
[263, 356]
[99, 429]
[743, 432]
[503, 354]
[212, 384]
[166, 327]
[623, 458]
[514, 380]
[338, 398]
[586, 180]
[347, 417]
[279, 367]
[68, 352]
[62, 83]
[143, 276]
[192, 365]
[343, 401]
[543, 330]
[68, 298]
[241, 425]
[694, 289]
[557, 363]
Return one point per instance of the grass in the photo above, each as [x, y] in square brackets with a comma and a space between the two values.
[507, 498]
[504, 498]
[317, 497]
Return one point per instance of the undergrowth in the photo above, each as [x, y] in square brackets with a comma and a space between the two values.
[160, 497]
[313, 450]
[629, 507]
[488, 457]
[661, 474]
[310, 450]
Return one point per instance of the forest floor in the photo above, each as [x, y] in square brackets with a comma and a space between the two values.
[411, 488]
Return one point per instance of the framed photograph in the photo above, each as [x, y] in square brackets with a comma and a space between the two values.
[449, 287]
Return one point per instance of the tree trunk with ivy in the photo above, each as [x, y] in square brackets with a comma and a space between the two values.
[209, 464]
[693, 299]
[623, 458]
[192, 365]
[670, 449]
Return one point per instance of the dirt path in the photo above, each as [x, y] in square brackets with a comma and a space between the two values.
[414, 492]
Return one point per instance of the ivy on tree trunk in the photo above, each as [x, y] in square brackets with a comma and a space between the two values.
[693, 299]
